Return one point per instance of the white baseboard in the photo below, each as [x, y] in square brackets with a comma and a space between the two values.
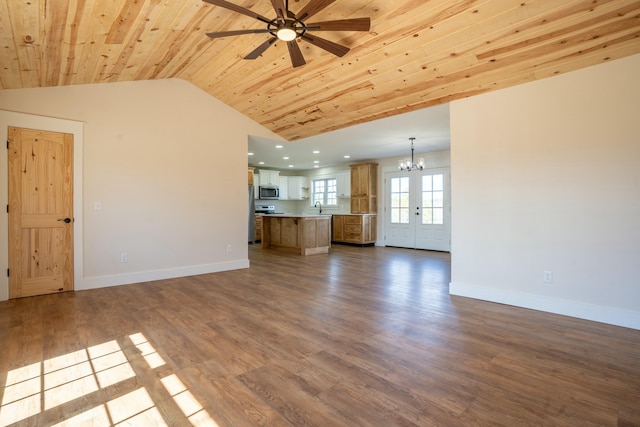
[581, 310]
[147, 276]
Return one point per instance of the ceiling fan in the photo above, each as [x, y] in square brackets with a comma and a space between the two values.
[288, 26]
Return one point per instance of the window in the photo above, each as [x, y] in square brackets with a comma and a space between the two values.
[400, 200]
[325, 191]
[433, 199]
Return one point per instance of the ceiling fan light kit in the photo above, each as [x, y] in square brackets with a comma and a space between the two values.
[286, 34]
[288, 26]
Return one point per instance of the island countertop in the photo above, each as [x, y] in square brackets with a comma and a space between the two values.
[304, 234]
[291, 215]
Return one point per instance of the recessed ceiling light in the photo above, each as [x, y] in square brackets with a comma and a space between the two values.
[251, 154]
[316, 166]
[347, 157]
[278, 146]
[290, 166]
[261, 163]
[285, 158]
[316, 152]
[316, 161]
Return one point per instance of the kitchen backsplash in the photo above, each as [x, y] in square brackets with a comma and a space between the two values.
[303, 206]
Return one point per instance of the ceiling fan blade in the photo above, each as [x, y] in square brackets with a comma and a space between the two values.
[215, 35]
[260, 49]
[280, 8]
[327, 45]
[239, 9]
[313, 7]
[355, 24]
[296, 55]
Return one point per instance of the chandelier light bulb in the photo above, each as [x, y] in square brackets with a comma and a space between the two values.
[408, 164]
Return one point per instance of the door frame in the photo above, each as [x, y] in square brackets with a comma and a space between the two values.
[76, 128]
[437, 162]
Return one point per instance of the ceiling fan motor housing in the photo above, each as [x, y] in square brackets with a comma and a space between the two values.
[288, 27]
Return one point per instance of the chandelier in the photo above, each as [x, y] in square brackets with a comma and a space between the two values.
[408, 164]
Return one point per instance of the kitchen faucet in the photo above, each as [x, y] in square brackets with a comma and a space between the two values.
[316, 205]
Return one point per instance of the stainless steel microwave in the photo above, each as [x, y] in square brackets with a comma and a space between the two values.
[268, 192]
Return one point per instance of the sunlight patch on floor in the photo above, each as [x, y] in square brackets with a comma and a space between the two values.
[147, 351]
[187, 402]
[39, 387]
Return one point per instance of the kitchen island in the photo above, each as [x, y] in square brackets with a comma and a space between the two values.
[299, 234]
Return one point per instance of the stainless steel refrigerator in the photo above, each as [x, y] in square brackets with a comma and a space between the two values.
[252, 215]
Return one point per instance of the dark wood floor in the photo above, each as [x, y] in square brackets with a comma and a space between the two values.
[361, 337]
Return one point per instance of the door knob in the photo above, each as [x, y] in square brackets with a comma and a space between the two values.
[66, 220]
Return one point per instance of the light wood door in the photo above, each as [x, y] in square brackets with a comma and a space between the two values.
[40, 212]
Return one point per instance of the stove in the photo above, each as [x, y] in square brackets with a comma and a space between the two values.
[265, 209]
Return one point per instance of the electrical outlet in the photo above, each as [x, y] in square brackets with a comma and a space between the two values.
[548, 276]
[124, 257]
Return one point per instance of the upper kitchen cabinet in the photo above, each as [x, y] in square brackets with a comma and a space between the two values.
[343, 184]
[284, 187]
[364, 188]
[298, 187]
[268, 177]
[251, 176]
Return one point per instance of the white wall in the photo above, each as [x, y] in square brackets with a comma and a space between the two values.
[168, 164]
[546, 176]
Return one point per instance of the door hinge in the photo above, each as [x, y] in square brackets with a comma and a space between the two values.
[7, 272]
[8, 144]
[7, 208]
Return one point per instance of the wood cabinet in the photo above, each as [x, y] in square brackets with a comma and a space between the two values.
[251, 176]
[299, 234]
[357, 229]
[364, 188]
[258, 228]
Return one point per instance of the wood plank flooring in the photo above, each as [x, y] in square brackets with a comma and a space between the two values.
[359, 337]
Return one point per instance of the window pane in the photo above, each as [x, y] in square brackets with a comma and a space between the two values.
[438, 216]
[404, 216]
[438, 182]
[395, 200]
[325, 191]
[395, 216]
[404, 184]
[427, 200]
[426, 183]
[438, 199]
[395, 185]
[427, 216]
[404, 200]
[332, 192]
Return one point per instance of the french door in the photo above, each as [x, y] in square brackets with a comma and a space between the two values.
[418, 209]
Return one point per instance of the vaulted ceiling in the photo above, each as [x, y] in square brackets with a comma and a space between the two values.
[416, 54]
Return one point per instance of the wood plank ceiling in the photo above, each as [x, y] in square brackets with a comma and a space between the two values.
[417, 53]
